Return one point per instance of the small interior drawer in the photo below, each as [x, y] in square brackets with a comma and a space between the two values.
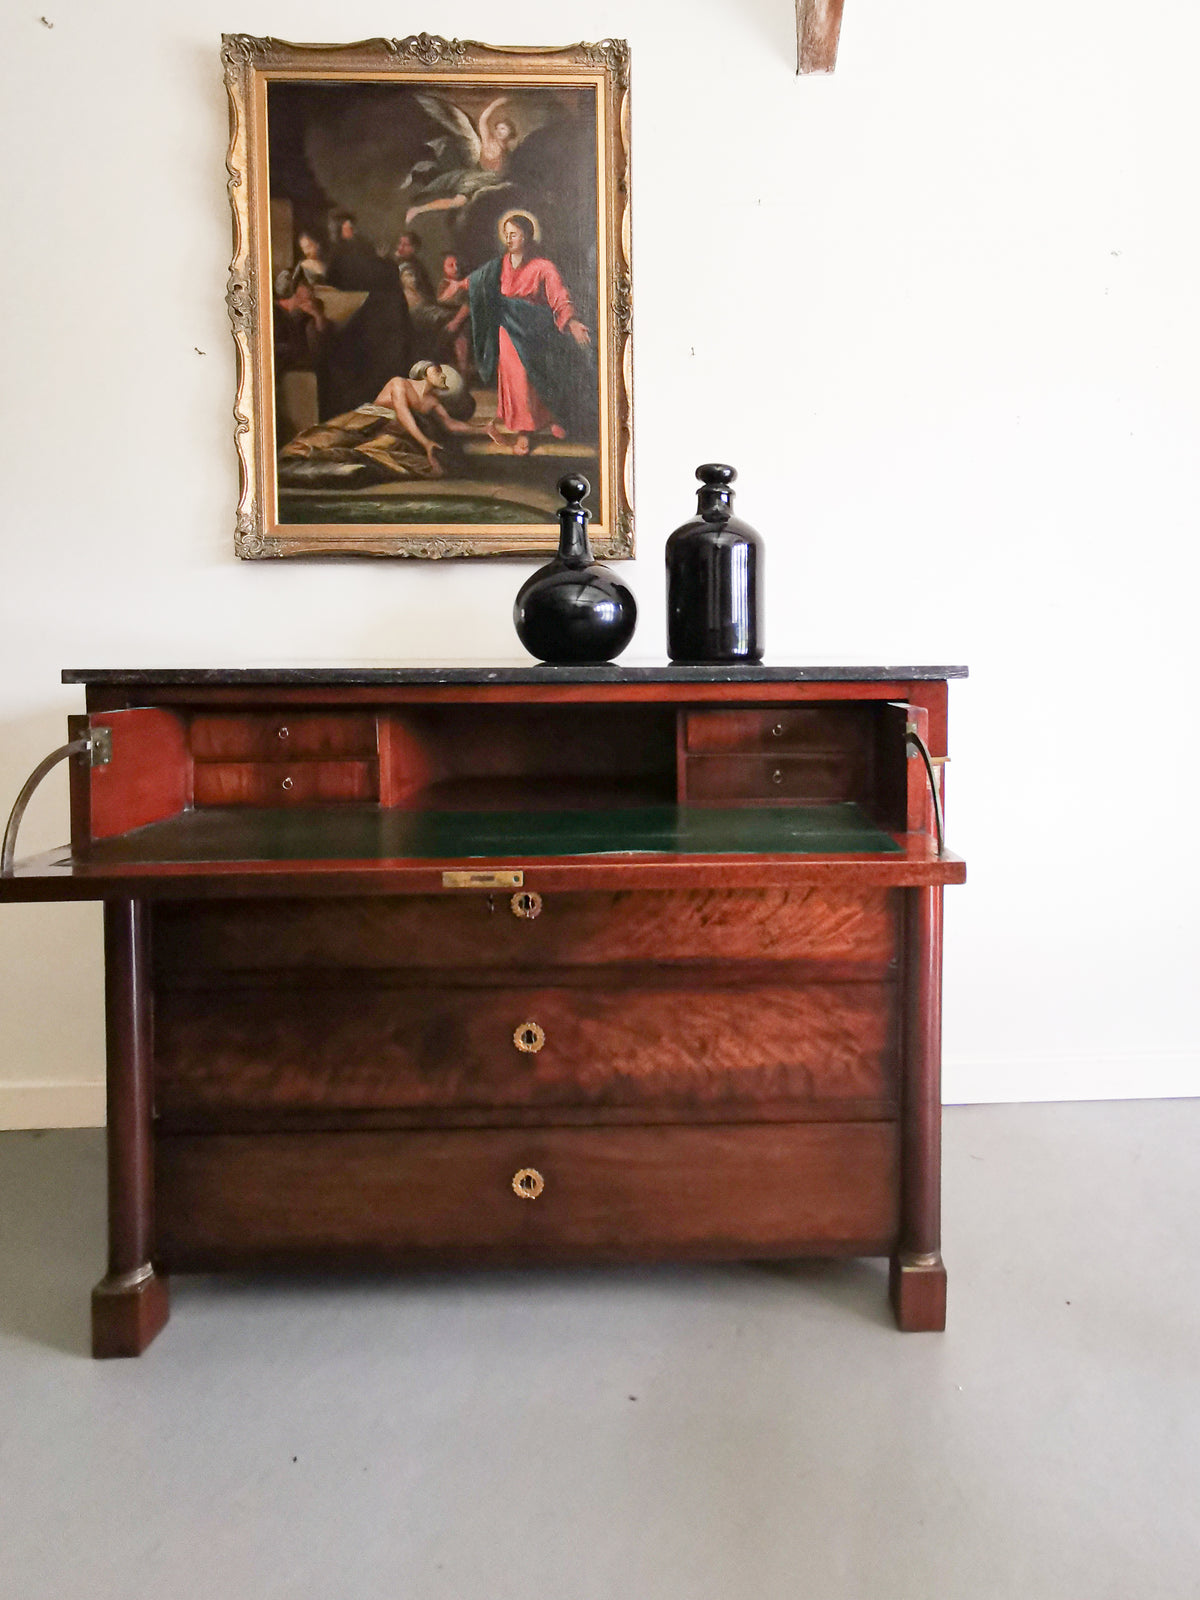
[284, 783]
[817, 775]
[282, 736]
[780, 730]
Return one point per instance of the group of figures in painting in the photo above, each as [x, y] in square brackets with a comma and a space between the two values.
[447, 351]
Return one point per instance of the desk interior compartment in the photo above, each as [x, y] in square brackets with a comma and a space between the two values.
[454, 779]
[512, 757]
[852, 752]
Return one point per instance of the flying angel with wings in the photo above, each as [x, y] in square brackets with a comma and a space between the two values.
[464, 163]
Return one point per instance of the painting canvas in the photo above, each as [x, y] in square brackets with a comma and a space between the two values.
[430, 294]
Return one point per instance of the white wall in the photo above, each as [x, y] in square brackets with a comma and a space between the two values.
[941, 311]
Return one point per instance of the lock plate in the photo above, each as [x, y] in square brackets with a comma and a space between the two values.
[482, 880]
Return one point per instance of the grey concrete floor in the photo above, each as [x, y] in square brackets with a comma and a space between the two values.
[651, 1434]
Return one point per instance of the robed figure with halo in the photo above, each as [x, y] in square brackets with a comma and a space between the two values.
[531, 342]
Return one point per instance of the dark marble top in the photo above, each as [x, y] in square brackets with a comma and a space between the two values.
[372, 675]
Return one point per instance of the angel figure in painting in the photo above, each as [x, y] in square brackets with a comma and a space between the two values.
[465, 163]
[530, 340]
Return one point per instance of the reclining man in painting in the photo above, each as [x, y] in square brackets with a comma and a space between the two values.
[398, 436]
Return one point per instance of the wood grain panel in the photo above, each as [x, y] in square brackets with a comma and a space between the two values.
[358, 1047]
[473, 929]
[282, 736]
[149, 777]
[611, 1194]
[284, 783]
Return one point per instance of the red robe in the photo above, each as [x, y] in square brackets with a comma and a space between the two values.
[519, 406]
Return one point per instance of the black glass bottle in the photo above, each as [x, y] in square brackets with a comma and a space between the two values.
[574, 609]
[714, 579]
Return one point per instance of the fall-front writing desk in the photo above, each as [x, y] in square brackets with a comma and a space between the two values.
[424, 966]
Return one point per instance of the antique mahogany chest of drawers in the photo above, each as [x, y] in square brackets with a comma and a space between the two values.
[513, 965]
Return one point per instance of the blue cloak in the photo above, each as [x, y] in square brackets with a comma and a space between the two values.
[562, 372]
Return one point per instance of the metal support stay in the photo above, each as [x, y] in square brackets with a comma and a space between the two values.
[914, 738]
[96, 744]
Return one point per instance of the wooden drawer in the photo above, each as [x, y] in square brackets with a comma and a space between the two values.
[282, 737]
[284, 783]
[347, 1046]
[817, 925]
[612, 1194]
[816, 776]
[786, 729]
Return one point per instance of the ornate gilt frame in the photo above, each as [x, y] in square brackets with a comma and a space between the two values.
[249, 63]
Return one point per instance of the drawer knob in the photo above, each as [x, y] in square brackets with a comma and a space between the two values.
[527, 904]
[777, 731]
[282, 731]
[287, 784]
[529, 1038]
[777, 776]
[528, 1183]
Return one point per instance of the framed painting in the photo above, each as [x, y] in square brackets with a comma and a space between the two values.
[430, 294]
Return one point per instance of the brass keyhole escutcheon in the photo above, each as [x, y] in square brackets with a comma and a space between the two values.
[529, 1038]
[527, 903]
[528, 1183]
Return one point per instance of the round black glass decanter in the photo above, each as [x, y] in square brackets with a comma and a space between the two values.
[715, 579]
[574, 610]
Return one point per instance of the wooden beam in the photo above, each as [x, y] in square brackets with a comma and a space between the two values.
[818, 25]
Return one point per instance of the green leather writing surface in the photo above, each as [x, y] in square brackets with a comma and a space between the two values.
[362, 833]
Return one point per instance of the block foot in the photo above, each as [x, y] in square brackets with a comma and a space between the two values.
[917, 1286]
[127, 1312]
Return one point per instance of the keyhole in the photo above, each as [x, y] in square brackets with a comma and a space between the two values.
[528, 1037]
[527, 904]
[528, 1183]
